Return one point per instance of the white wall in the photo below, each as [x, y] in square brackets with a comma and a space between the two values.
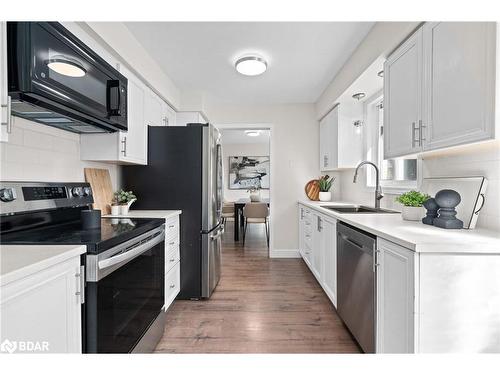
[382, 39]
[241, 149]
[294, 154]
[38, 152]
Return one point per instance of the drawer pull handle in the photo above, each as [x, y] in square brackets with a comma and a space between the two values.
[171, 226]
[172, 259]
[172, 286]
[172, 243]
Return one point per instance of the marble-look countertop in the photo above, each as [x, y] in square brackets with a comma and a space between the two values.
[414, 235]
[18, 261]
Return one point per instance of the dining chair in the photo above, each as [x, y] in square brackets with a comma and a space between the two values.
[227, 211]
[257, 213]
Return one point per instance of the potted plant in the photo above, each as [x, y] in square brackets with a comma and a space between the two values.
[124, 200]
[115, 206]
[325, 184]
[412, 202]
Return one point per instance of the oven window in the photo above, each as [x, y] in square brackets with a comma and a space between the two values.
[126, 302]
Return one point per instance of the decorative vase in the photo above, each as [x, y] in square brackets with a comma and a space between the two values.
[255, 197]
[412, 213]
[124, 208]
[115, 210]
[325, 196]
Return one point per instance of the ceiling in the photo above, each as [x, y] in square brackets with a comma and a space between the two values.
[303, 57]
[233, 136]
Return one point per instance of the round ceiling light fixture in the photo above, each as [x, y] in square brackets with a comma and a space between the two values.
[251, 65]
[66, 66]
[252, 133]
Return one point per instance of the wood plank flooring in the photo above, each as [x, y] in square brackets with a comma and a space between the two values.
[261, 305]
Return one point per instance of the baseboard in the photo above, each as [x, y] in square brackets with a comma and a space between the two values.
[284, 253]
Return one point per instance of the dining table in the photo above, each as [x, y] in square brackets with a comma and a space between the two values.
[238, 214]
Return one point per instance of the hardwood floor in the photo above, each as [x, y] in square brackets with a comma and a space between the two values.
[261, 305]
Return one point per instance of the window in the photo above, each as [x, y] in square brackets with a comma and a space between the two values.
[395, 174]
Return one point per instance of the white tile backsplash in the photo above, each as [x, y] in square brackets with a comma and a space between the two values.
[38, 152]
[481, 159]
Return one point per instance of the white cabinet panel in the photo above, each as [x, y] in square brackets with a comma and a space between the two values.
[317, 246]
[403, 98]
[395, 298]
[169, 115]
[44, 308]
[128, 147]
[340, 144]
[329, 233]
[5, 118]
[460, 82]
[154, 111]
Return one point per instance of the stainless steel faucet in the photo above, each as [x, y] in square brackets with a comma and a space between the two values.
[378, 188]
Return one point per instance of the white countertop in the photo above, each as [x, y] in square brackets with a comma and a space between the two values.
[18, 261]
[414, 235]
[153, 214]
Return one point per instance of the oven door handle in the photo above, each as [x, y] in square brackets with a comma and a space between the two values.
[124, 257]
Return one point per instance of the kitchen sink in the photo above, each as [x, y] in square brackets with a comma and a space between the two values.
[359, 210]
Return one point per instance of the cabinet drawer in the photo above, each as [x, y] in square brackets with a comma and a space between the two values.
[172, 284]
[173, 256]
[172, 229]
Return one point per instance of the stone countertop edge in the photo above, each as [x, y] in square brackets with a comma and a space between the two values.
[415, 235]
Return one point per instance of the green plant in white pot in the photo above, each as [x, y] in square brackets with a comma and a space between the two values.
[412, 202]
[325, 184]
[124, 200]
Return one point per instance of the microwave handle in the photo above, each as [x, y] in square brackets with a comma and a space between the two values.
[113, 97]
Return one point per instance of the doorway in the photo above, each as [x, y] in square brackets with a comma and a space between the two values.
[248, 178]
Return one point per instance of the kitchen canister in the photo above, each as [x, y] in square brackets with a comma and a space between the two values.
[91, 219]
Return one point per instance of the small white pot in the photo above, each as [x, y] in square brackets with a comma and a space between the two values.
[325, 196]
[412, 213]
[115, 210]
[124, 209]
[255, 197]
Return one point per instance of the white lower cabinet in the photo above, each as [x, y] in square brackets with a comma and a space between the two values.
[395, 298]
[318, 248]
[437, 302]
[172, 260]
[42, 312]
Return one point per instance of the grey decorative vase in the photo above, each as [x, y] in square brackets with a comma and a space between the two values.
[447, 200]
[432, 211]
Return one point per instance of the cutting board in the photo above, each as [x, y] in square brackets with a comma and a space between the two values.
[312, 190]
[102, 189]
[472, 190]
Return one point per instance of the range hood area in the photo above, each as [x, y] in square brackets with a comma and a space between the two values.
[56, 80]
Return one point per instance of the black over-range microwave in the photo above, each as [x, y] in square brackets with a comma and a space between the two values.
[56, 80]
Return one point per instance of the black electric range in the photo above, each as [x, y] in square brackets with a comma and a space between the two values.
[124, 265]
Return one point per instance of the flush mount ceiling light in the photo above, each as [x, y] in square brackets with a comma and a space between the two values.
[359, 95]
[251, 65]
[252, 133]
[66, 66]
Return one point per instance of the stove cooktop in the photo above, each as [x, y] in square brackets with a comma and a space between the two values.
[111, 233]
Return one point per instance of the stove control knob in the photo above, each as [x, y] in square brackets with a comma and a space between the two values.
[7, 195]
[87, 191]
[77, 192]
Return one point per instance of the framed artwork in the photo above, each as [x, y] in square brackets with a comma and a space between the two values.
[247, 172]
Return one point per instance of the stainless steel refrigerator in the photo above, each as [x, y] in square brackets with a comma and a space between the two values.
[184, 172]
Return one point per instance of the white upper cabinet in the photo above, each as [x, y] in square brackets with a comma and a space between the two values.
[340, 141]
[403, 98]
[169, 115]
[154, 115]
[4, 94]
[459, 82]
[128, 147]
[439, 88]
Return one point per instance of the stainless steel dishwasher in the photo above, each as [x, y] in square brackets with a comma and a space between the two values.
[356, 283]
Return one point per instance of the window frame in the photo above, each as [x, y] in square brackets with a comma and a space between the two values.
[371, 151]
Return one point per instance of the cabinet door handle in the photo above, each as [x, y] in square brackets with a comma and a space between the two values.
[414, 140]
[172, 260]
[81, 284]
[421, 127]
[301, 214]
[124, 143]
[172, 286]
[8, 119]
